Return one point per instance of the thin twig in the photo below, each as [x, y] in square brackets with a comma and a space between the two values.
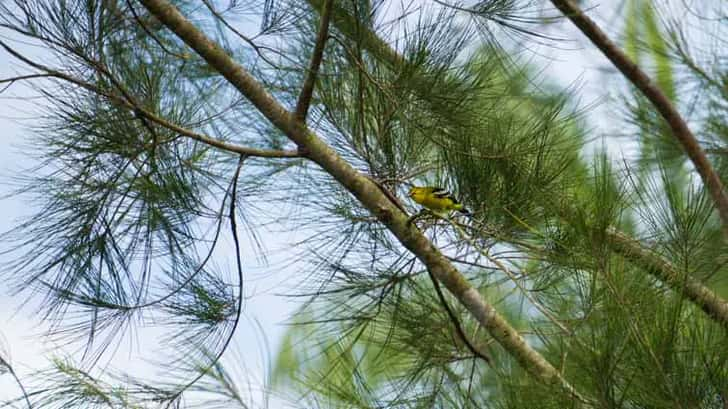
[12, 80]
[189, 278]
[239, 268]
[150, 34]
[395, 201]
[304, 99]
[456, 322]
[258, 49]
[10, 369]
[502, 267]
[662, 103]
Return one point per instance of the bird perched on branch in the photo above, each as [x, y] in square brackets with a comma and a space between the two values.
[437, 200]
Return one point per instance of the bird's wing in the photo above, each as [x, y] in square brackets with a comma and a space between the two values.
[440, 192]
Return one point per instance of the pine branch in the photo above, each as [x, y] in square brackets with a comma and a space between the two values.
[662, 103]
[365, 191]
[696, 293]
[49, 72]
[304, 99]
[347, 24]
[502, 267]
[146, 29]
[688, 286]
[257, 48]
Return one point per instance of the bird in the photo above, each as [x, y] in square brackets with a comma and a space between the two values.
[437, 200]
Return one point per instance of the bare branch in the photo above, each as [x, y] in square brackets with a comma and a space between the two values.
[661, 102]
[304, 99]
[241, 295]
[12, 80]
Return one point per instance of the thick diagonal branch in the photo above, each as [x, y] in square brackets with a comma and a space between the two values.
[367, 192]
[684, 284]
[662, 103]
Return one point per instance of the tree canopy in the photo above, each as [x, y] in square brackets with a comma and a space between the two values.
[172, 137]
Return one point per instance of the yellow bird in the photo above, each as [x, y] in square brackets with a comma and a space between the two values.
[437, 200]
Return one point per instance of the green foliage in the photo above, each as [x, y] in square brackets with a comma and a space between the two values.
[399, 351]
[645, 37]
[129, 214]
[515, 156]
[520, 153]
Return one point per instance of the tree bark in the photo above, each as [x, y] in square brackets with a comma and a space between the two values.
[682, 283]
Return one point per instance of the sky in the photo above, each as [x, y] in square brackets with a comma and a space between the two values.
[569, 64]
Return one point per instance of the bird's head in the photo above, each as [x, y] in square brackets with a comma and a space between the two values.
[416, 193]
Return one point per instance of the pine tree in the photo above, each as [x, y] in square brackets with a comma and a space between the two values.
[584, 278]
